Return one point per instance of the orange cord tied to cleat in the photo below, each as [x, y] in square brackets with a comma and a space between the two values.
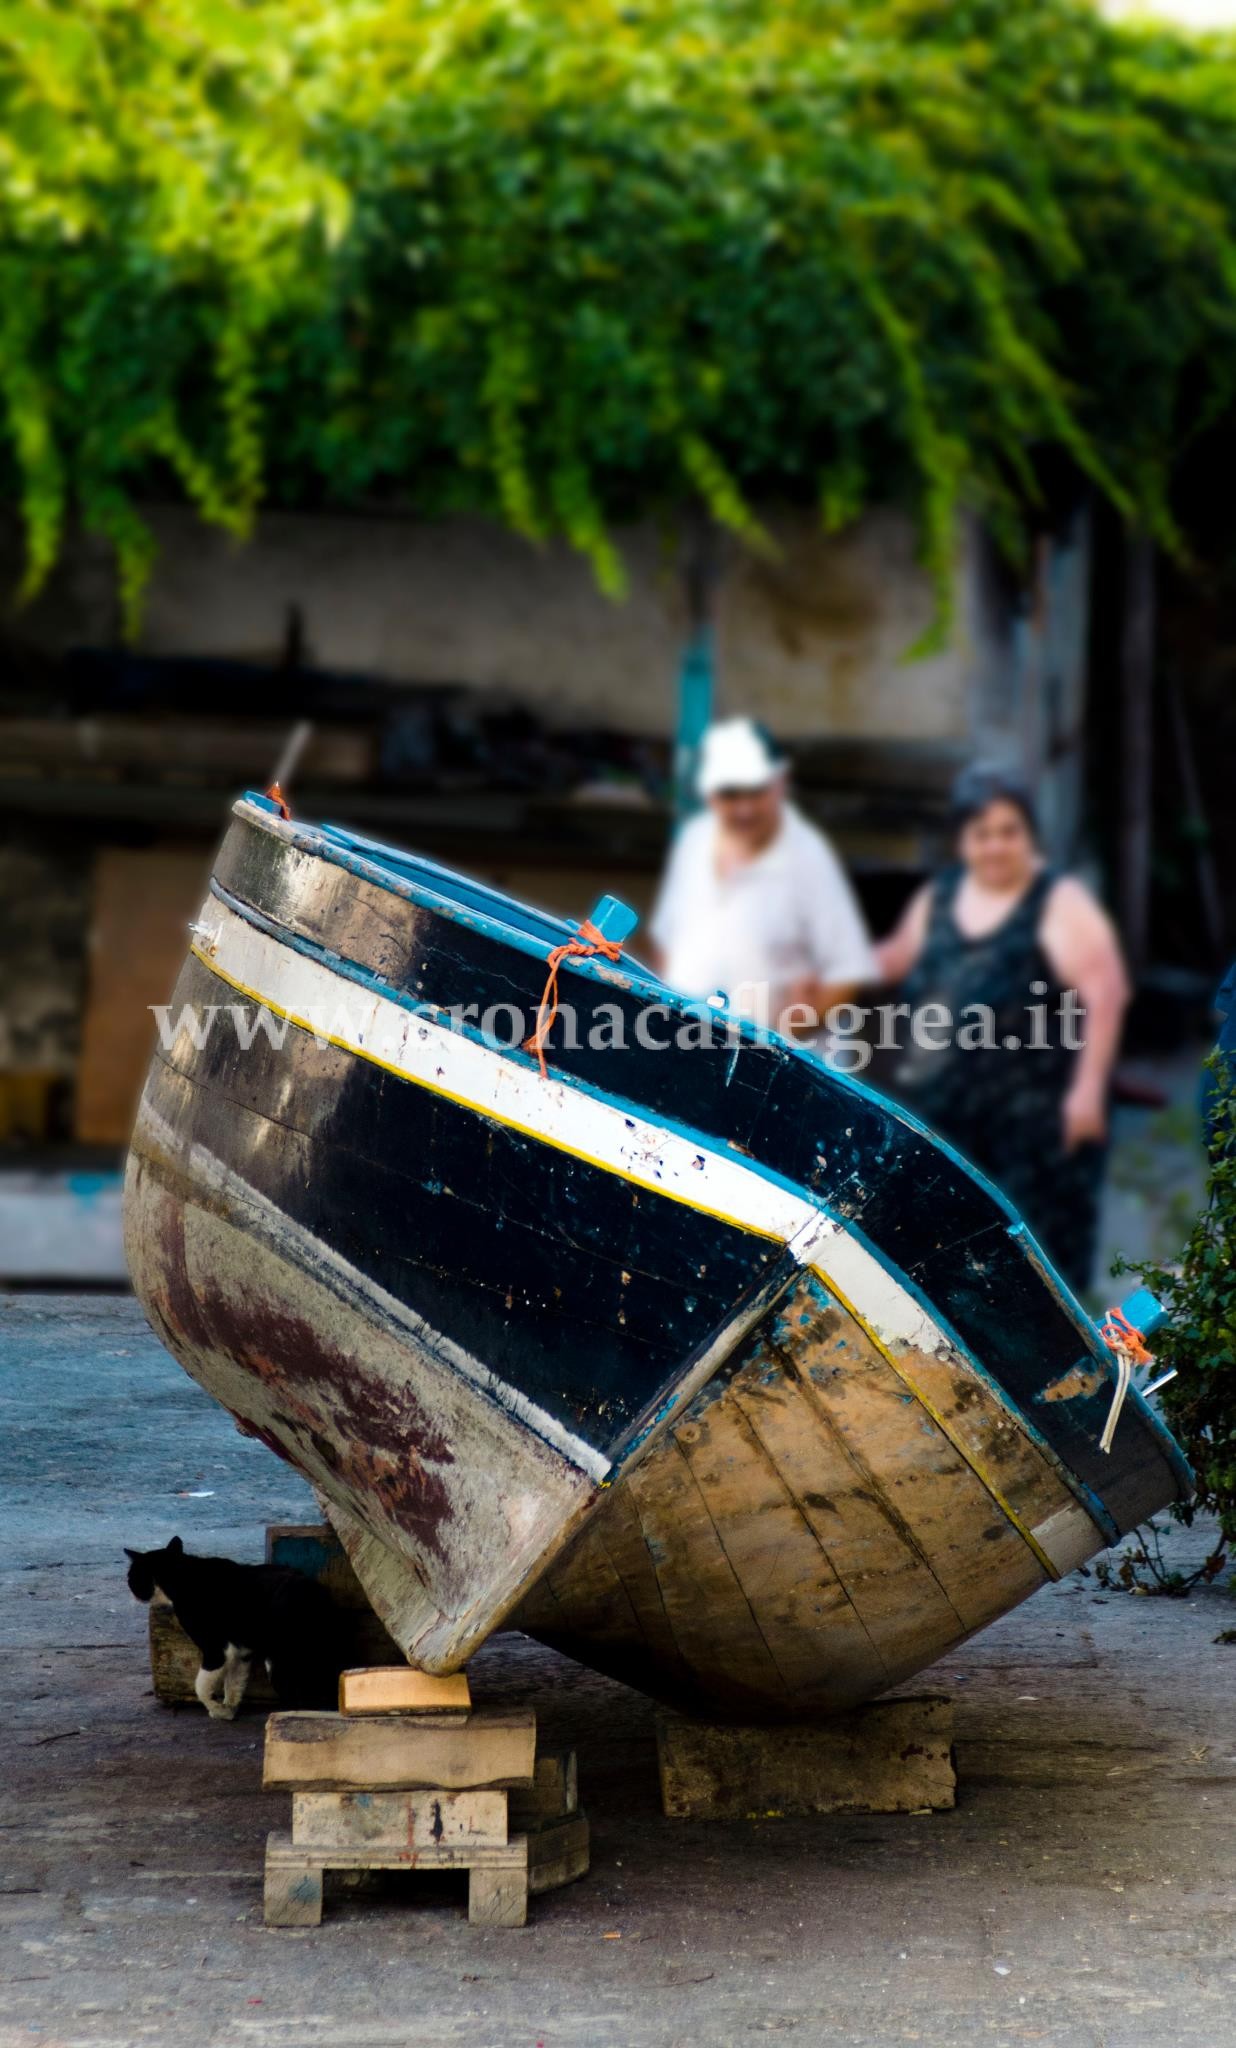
[274, 795]
[589, 941]
[1129, 1349]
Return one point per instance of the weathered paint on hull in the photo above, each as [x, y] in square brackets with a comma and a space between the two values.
[746, 1389]
[336, 1379]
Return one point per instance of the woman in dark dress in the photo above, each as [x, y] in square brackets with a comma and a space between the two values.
[1027, 966]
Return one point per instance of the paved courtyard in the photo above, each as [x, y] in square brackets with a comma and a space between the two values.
[1080, 1896]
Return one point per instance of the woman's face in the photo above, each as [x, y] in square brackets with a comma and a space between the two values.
[998, 846]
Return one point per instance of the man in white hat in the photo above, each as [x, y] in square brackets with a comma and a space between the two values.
[754, 900]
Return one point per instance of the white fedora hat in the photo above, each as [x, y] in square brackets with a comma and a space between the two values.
[737, 754]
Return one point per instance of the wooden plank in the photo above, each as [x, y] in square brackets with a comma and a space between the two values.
[928, 1491]
[831, 1362]
[291, 1892]
[596, 1609]
[409, 1820]
[497, 1898]
[979, 1421]
[558, 1853]
[994, 1438]
[493, 1747]
[884, 1591]
[552, 1795]
[283, 1853]
[402, 1690]
[599, 1605]
[717, 1634]
[785, 1573]
[606, 1589]
[621, 1535]
[894, 1756]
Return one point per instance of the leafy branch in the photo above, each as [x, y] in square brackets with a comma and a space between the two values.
[564, 264]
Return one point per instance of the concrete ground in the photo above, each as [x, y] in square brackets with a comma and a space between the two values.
[1080, 1896]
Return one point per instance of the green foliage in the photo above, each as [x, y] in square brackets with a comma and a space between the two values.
[561, 261]
[1199, 1341]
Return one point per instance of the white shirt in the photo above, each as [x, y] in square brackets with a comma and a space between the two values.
[788, 913]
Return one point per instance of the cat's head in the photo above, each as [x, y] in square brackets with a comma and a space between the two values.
[148, 1569]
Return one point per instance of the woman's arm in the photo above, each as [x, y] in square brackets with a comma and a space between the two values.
[900, 952]
[1080, 942]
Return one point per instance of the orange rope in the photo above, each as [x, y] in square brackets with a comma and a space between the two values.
[1126, 1343]
[590, 941]
[1119, 1334]
[275, 795]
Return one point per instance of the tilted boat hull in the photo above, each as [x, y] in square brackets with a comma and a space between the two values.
[706, 1364]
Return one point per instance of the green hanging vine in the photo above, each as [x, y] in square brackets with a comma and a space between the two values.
[566, 263]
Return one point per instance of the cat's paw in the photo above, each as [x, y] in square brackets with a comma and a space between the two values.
[219, 1712]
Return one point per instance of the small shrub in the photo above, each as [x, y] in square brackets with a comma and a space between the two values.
[1198, 1344]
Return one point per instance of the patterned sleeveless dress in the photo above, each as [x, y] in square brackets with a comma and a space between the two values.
[998, 1105]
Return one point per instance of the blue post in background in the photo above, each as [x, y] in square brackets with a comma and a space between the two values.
[695, 685]
[697, 671]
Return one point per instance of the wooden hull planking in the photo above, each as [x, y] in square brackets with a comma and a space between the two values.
[808, 1534]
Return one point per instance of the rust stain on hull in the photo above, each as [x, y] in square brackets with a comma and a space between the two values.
[373, 1435]
[1076, 1384]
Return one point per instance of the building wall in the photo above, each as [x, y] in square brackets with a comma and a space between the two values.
[813, 637]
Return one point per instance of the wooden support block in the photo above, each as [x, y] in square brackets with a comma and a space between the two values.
[497, 1898]
[493, 1747]
[282, 1851]
[894, 1756]
[558, 1853]
[552, 1795]
[407, 1820]
[292, 1893]
[398, 1689]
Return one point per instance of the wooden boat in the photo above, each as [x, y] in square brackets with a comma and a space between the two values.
[701, 1361]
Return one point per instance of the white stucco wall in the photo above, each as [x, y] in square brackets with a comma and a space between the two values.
[813, 638]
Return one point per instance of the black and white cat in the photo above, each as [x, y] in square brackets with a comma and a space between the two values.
[238, 1612]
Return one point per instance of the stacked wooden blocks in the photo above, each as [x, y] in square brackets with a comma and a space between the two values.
[409, 1776]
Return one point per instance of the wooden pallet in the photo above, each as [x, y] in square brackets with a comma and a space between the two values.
[501, 1874]
[375, 1791]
